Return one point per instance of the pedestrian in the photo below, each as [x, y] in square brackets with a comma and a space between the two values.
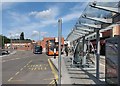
[62, 49]
[54, 52]
[66, 49]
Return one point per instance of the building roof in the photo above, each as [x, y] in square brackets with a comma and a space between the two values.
[21, 41]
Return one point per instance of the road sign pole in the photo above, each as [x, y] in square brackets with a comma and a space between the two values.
[59, 59]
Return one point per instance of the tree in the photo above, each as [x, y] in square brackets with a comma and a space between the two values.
[3, 40]
[22, 36]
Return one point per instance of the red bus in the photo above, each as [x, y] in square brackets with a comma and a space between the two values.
[50, 46]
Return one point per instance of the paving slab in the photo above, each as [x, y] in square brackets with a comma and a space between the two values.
[77, 75]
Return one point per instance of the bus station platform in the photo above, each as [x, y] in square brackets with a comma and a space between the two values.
[78, 75]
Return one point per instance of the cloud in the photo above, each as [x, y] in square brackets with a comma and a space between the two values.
[18, 18]
[32, 22]
[22, 22]
[71, 16]
[80, 6]
[43, 33]
[44, 14]
[35, 33]
[76, 11]
[51, 13]
[8, 5]
[44, 0]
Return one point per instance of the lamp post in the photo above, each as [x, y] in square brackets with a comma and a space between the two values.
[39, 38]
[2, 42]
[11, 40]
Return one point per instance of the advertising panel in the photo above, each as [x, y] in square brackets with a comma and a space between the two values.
[112, 66]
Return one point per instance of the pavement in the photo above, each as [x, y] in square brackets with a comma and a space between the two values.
[65, 76]
[78, 75]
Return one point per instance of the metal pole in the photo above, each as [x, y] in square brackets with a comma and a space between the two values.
[83, 58]
[2, 42]
[118, 60]
[39, 38]
[59, 60]
[11, 41]
[97, 52]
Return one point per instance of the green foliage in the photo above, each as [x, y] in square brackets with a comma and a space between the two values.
[3, 40]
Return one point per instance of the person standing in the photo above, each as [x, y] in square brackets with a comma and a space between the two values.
[66, 49]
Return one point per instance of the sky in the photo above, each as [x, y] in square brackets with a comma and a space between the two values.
[39, 18]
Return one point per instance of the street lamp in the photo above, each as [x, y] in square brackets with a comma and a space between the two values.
[2, 41]
[39, 38]
[11, 40]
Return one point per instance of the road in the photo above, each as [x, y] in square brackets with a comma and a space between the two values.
[24, 67]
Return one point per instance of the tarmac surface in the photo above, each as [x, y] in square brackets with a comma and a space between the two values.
[24, 67]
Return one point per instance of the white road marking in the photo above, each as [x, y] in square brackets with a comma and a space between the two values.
[34, 68]
[14, 59]
[41, 68]
[21, 69]
[10, 79]
[45, 68]
[17, 58]
[102, 64]
[17, 73]
[25, 66]
[17, 80]
[38, 68]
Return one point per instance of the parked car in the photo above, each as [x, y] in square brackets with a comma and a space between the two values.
[4, 52]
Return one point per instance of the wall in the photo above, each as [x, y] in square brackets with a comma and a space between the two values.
[116, 30]
[21, 46]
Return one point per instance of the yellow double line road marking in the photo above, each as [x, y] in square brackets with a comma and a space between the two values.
[54, 71]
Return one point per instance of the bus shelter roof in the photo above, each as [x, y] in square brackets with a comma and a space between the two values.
[97, 15]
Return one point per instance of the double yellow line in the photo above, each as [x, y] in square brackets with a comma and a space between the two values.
[54, 71]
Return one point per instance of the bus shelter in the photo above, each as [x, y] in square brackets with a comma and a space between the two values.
[97, 17]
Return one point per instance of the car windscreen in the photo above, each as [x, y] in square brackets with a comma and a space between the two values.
[37, 48]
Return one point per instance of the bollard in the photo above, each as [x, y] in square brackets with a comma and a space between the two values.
[54, 53]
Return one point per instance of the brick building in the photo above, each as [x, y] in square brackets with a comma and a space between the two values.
[20, 45]
[106, 34]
